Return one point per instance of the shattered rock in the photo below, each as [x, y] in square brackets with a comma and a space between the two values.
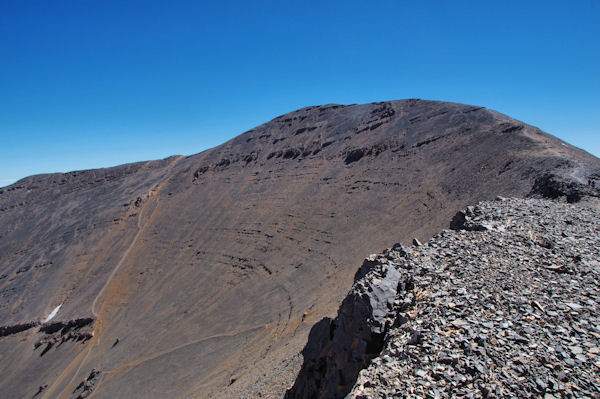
[338, 349]
[505, 305]
[17, 328]
[556, 187]
[63, 331]
[86, 387]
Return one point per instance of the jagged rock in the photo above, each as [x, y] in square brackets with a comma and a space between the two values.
[78, 330]
[66, 326]
[553, 186]
[41, 389]
[17, 328]
[338, 349]
[87, 386]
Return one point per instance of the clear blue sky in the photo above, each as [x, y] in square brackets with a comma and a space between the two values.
[87, 84]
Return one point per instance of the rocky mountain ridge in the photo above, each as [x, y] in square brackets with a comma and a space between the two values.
[504, 305]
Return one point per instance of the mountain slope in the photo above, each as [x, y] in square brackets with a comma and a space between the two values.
[204, 274]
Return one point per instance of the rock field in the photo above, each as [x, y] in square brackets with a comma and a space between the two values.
[504, 305]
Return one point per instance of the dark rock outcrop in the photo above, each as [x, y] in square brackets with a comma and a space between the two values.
[17, 328]
[553, 187]
[59, 332]
[87, 386]
[66, 326]
[338, 349]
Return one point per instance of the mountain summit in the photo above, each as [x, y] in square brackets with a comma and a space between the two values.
[201, 276]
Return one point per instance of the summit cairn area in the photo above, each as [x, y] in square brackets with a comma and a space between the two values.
[505, 306]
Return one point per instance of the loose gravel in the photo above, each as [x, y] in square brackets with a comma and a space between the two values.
[505, 306]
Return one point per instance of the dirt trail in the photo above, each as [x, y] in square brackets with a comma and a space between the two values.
[98, 325]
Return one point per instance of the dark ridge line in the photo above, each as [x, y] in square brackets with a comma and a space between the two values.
[17, 328]
[51, 328]
[46, 328]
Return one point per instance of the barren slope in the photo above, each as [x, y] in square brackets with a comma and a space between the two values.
[211, 269]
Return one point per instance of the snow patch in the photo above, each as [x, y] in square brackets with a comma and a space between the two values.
[51, 315]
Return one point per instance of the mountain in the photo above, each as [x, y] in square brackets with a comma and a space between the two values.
[202, 276]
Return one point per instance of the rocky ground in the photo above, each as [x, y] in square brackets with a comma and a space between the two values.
[507, 305]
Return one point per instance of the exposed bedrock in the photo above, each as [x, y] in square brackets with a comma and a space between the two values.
[17, 328]
[338, 349]
[87, 386]
[553, 186]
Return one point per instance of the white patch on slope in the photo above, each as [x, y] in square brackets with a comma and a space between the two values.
[51, 315]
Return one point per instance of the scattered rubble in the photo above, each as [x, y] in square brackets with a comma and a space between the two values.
[504, 305]
[63, 331]
[86, 387]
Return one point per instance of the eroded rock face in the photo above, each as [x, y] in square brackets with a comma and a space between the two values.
[87, 386]
[17, 328]
[59, 332]
[210, 270]
[338, 349]
[553, 186]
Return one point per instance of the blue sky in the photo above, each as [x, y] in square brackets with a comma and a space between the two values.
[87, 84]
